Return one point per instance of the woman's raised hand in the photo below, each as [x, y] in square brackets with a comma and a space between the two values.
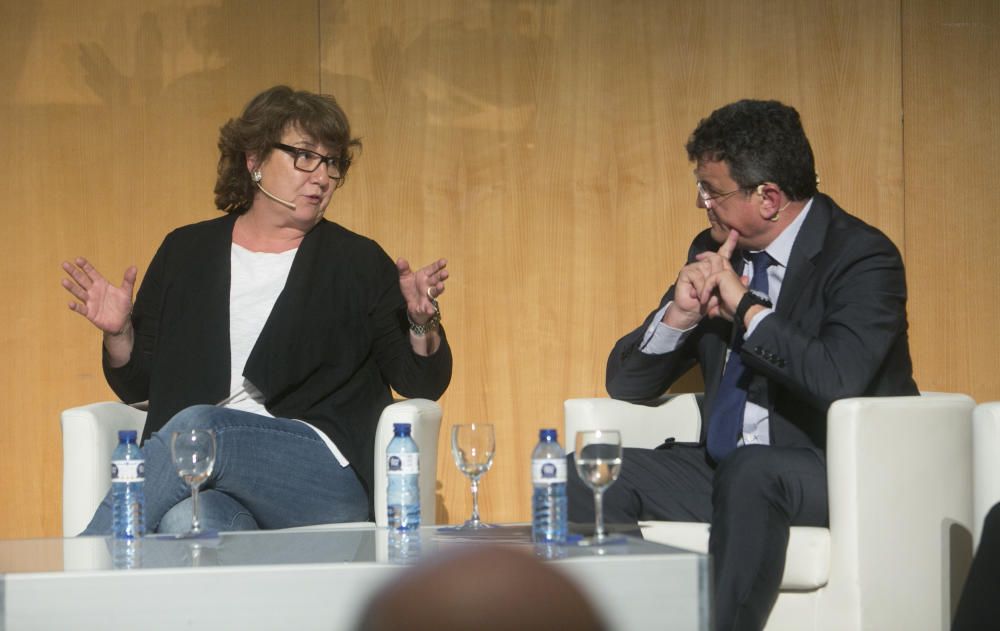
[419, 287]
[109, 308]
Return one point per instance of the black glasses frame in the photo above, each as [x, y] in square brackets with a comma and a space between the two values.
[335, 166]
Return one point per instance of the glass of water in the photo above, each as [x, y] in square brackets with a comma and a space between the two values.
[473, 446]
[598, 463]
[193, 453]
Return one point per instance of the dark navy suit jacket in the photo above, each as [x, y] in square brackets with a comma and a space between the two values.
[839, 330]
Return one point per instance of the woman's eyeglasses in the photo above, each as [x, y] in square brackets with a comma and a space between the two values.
[309, 161]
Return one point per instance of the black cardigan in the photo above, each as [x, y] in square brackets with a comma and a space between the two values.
[336, 339]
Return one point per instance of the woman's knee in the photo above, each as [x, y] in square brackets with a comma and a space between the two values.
[191, 417]
[216, 511]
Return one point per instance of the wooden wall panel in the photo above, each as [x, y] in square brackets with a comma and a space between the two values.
[951, 99]
[539, 146]
[109, 115]
[536, 144]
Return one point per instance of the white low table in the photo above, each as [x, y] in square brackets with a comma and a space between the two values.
[307, 579]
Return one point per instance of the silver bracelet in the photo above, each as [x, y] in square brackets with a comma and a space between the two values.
[431, 325]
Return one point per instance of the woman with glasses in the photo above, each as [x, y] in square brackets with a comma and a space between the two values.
[273, 326]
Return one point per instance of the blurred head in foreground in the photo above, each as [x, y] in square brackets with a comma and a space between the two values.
[482, 587]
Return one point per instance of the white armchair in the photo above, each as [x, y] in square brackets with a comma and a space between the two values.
[900, 489]
[986, 462]
[90, 435]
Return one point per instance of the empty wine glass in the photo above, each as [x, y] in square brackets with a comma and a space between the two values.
[193, 453]
[598, 463]
[472, 447]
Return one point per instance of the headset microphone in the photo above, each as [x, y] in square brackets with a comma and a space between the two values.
[256, 177]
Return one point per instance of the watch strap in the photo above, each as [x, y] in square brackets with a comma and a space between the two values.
[748, 300]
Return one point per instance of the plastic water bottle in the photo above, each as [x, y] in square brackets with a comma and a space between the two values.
[128, 519]
[404, 546]
[126, 554]
[548, 501]
[404, 470]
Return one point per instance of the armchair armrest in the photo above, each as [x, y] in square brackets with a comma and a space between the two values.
[89, 435]
[424, 417]
[900, 488]
[678, 417]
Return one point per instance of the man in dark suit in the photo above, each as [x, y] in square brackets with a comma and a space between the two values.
[979, 608]
[800, 305]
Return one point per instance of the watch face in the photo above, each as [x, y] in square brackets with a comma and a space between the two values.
[761, 295]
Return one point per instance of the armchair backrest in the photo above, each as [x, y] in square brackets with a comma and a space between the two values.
[90, 433]
[640, 425]
[424, 417]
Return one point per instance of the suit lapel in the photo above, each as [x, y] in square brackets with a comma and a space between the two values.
[808, 244]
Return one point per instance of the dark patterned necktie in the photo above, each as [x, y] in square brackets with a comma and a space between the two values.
[726, 419]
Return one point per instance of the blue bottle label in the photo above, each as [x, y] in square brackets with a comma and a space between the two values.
[548, 471]
[404, 464]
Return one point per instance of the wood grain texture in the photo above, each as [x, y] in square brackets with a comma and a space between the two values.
[951, 98]
[539, 147]
[536, 144]
[110, 113]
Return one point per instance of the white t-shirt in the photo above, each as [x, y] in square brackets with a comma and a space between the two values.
[257, 281]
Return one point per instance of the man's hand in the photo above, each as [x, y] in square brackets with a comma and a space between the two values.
[723, 289]
[694, 292]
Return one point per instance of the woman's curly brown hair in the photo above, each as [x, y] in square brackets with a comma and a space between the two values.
[264, 120]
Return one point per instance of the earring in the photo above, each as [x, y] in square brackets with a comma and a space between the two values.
[256, 176]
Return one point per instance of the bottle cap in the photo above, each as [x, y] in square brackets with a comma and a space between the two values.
[548, 434]
[401, 429]
[126, 435]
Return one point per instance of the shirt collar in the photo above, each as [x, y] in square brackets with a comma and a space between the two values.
[781, 248]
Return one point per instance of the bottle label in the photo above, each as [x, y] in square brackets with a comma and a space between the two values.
[548, 471]
[404, 464]
[128, 471]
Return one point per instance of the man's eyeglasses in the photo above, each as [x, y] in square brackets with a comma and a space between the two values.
[713, 197]
[309, 161]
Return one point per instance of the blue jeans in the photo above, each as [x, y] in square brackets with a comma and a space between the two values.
[269, 473]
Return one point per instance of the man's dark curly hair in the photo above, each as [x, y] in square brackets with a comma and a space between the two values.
[264, 120]
[761, 141]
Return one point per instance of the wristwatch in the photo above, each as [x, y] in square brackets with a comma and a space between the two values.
[749, 299]
[431, 325]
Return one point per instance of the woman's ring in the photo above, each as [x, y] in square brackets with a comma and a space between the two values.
[429, 294]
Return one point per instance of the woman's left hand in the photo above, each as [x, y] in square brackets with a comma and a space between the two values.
[419, 287]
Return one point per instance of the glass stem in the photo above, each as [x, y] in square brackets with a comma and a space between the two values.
[599, 514]
[195, 524]
[475, 502]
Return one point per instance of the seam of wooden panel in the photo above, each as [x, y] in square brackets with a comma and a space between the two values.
[902, 127]
[319, 46]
